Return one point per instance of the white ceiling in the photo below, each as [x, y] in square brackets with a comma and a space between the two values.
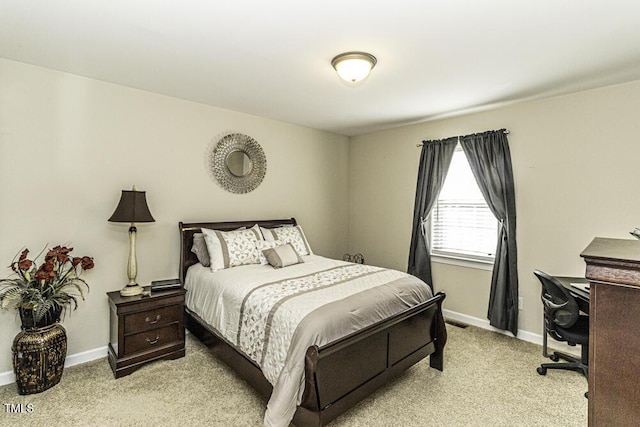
[272, 58]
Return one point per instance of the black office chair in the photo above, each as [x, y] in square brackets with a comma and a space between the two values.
[563, 321]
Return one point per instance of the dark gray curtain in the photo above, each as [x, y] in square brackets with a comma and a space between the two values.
[434, 164]
[490, 160]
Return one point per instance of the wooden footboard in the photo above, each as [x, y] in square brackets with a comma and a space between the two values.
[342, 373]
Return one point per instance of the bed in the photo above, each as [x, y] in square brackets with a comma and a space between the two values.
[337, 374]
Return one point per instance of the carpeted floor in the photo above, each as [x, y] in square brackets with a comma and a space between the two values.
[489, 380]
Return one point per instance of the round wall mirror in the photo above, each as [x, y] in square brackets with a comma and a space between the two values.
[238, 163]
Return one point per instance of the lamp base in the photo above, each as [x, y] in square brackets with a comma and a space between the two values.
[131, 290]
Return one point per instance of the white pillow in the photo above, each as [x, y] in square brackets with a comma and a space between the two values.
[199, 248]
[293, 235]
[261, 245]
[282, 256]
[232, 248]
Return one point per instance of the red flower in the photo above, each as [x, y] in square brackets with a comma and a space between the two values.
[23, 263]
[59, 253]
[57, 263]
[63, 254]
[24, 254]
[45, 272]
[87, 263]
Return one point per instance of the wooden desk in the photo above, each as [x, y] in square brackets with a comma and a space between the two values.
[613, 270]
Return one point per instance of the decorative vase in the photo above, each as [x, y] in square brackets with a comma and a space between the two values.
[50, 317]
[38, 358]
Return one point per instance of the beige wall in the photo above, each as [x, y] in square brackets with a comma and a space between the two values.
[69, 145]
[575, 161]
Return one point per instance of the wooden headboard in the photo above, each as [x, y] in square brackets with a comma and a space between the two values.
[188, 229]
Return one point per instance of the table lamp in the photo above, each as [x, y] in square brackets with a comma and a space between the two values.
[132, 208]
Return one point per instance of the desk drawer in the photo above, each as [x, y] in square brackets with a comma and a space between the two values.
[153, 318]
[151, 339]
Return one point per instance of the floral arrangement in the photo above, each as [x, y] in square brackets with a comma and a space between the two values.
[53, 285]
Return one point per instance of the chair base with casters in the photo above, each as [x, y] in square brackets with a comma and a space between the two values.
[571, 363]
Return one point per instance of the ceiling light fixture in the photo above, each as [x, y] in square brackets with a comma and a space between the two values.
[353, 67]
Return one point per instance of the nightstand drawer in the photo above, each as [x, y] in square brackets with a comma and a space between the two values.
[151, 339]
[154, 318]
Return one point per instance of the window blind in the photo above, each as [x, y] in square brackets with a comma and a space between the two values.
[462, 224]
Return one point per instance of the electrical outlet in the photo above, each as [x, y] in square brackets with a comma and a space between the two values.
[520, 303]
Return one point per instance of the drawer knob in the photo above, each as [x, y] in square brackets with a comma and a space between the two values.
[151, 322]
[152, 342]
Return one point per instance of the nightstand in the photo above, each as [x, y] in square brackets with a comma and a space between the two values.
[144, 329]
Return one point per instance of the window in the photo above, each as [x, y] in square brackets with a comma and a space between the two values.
[462, 225]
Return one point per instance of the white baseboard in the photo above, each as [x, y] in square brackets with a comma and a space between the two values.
[87, 356]
[74, 359]
[522, 334]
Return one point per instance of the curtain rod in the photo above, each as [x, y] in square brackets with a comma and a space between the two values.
[506, 132]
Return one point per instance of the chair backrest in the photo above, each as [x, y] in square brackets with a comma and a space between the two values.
[560, 307]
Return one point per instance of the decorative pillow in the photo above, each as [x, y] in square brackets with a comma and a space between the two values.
[262, 245]
[282, 256]
[200, 249]
[232, 248]
[293, 235]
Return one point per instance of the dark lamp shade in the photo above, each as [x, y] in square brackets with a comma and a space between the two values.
[132, 208]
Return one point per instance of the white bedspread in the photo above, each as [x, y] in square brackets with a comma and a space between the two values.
[267, 313]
